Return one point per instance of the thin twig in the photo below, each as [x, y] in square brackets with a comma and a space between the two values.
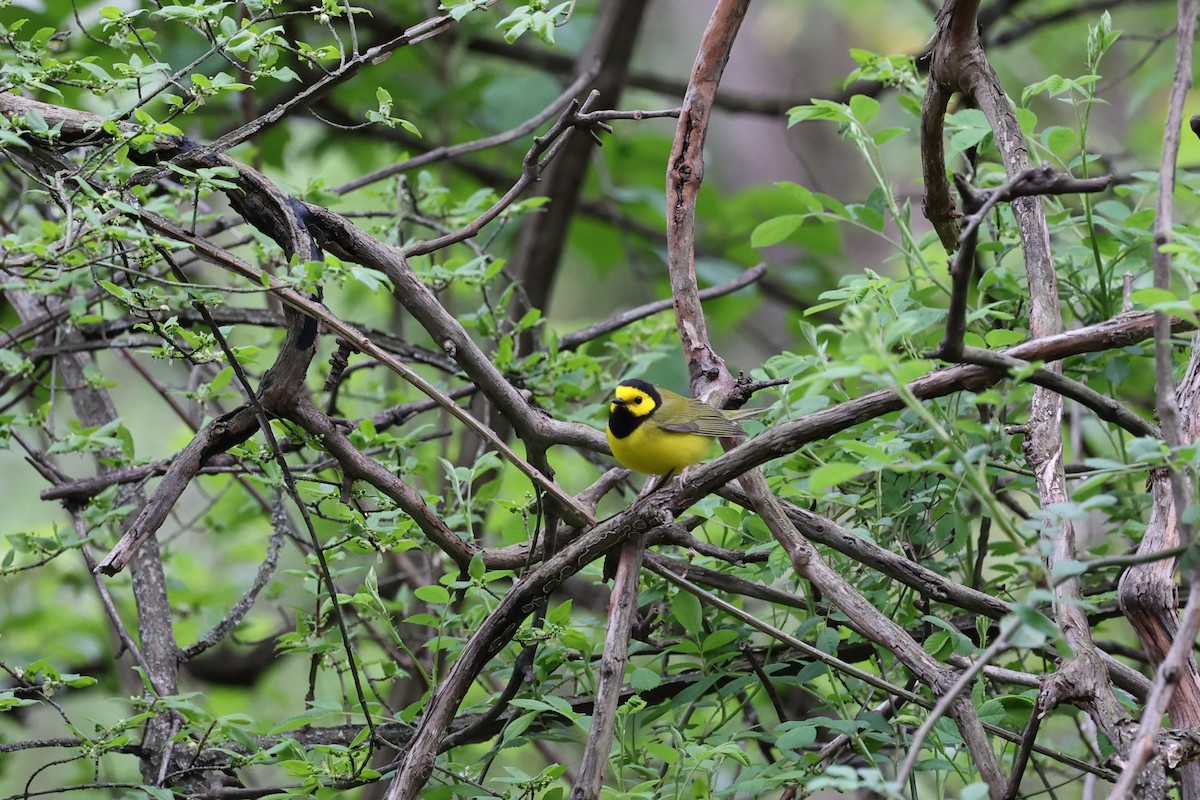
[1040, 180]
[570, 341]
[279, 523]
[1105, 407]
[256, 127]
[449, 152]
[1024, 749]
[550, 145]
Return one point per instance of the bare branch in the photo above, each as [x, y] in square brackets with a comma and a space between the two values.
[1176, 666]
[622, 615]
[707, 372]
[960, 64]
[572, 340]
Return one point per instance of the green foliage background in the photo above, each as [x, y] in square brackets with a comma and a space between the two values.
[854, 300]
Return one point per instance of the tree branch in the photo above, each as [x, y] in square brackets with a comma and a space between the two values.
[1177, 667]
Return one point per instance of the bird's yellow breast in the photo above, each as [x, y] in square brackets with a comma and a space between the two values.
[652, 450]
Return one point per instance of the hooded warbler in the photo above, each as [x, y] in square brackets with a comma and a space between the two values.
[659, 432]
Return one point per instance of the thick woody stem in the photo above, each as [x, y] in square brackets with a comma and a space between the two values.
[685, 171]
[1147, 593]
[960, 64]
[622, 614]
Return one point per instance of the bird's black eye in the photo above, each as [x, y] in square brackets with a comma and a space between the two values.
[637, 401]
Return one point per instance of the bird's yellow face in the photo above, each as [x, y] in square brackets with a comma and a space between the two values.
[636, 401]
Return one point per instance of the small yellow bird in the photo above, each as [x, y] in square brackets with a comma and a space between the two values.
[659, 432]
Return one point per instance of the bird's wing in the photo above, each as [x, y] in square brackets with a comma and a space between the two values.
[688, 415]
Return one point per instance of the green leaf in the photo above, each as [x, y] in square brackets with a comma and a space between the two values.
[819, 109]
[120, 292]
[796, 735]
[887, 134]
[1010, 710]
[938, 644]
[477, 568]
[665, 754]
[832, 474]
[688, 614]
[1051, 85]
[1060, 140]
[643, 679]
[221, 379]
[718, 639]
[1003, 337]
[1034, 627]
[869, 216]
[863, 107]
[776, 229]
[1151, 297]
[432, 593]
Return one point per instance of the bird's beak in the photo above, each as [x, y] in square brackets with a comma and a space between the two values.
[616, 401]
